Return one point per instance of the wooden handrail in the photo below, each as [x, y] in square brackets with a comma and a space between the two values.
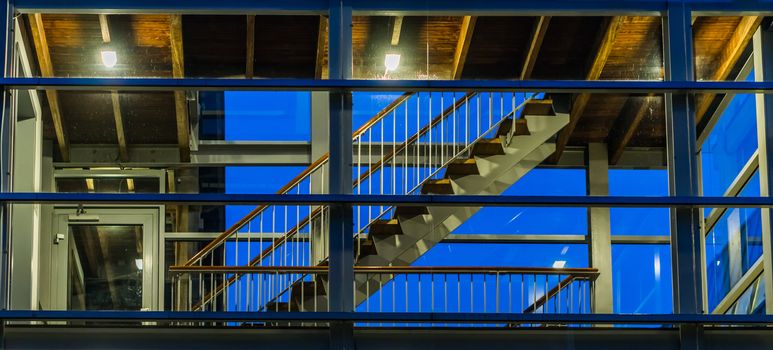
[292, 183]
[590, 273]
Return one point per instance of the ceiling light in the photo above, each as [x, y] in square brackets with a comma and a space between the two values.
[559, 264]
[109, 58]
[138, 262]
[391, 61]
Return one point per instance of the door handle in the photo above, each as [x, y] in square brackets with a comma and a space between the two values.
[58, 238]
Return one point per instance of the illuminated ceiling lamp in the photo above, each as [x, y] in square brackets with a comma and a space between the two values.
[109, 58]
[391, 61]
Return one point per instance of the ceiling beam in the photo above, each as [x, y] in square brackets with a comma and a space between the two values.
[462, 46]
[605, 44]
[123, 152]
[321, 40]
[47, 70]
[626, 124]
[728, 59]
[249, 70]
[180, 103]
[396, 29]
[537, 36]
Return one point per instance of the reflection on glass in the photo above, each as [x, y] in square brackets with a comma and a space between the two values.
[641, 276]
[105, 267]
[108, 184]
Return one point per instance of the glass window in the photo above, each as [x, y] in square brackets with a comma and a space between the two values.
[503, 254]
[639, 221]
[641, 277]
[267, 116]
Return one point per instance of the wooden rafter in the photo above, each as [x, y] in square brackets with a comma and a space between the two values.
[180, 103]
[321, 39]
[249, 70]
[606, 42]
[396, 29]
[626, 124]
[47, 70]
[537, 36]
[728, 59]
[462, 46]
[123, 150]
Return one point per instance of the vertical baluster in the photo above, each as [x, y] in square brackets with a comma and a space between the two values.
[442, 132]
[472, 293]
[418, 285]
[394, 151]
[381, 166]
[496, 294]
[485, 292]
[466, 120]
[429, 142]
[477, 117]
[432, 291]
[357, 176]
[490, 110]
[405, 151]
[459, 292]
[453, 123]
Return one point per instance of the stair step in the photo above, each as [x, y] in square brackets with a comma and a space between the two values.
[441, 186]
[521, 127]
[411, 211]
[280, 306]
[488, 147]
[462, 167]
[538, 107]
[306, 290]
[385, 228]
[367, 247]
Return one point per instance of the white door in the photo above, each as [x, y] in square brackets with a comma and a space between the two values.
[106, 259]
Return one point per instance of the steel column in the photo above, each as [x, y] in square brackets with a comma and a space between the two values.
[682, 171]
[599, 235]
[340, 242]
[763, 71]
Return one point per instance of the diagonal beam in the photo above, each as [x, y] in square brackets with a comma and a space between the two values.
[462, 46]
[606, 42]
[728, 59]
[180, 104]
[626, 124]
[321, 40]
[123, 151]
[396, 29]
[47, 70]
[537, 36]
[249, 70]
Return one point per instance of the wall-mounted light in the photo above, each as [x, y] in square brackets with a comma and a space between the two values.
[138, 262]
[391, 61]
[559, 264]
[109, 58]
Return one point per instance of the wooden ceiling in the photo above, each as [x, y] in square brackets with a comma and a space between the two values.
[431, 47]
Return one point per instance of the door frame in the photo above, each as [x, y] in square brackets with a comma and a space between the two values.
[152, 239]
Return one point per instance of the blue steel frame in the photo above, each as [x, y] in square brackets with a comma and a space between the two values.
[680, 85]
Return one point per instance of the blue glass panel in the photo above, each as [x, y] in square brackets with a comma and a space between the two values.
[267, 115]
[733, 246]
[540, 182]
[731, 142]
[639, 221]
[641, 277]
[494, 254]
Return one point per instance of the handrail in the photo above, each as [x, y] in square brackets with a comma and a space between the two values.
[578, 272]
[296, 180]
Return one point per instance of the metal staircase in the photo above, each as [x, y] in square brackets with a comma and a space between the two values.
[469, 147]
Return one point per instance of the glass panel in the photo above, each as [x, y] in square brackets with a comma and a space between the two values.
[108, 184]
[105, 267]
[267, 116]
[639, 221]
[642, 279]
[497, 254]
[167, 45]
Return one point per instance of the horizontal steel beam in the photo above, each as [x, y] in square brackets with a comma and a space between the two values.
[423, 317]
[403, 200]
[406, 7]
[552, 86]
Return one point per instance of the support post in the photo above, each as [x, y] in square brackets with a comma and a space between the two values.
[763, 71]
[682, 171]
[320, 140]
[6, 141]
[599, 235]
[340, 242]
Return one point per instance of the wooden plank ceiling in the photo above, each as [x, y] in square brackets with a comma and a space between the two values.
[431, 47]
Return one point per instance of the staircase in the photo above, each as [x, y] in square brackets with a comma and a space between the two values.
[474, 156]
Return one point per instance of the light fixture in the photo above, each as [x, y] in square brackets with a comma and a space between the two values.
[138, 262]
[109, 58]
[391, 61]
[559, 264]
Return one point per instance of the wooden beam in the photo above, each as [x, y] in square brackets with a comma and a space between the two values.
[250, 61]
[47, 70]
[605, 44]
[626, 124]
[321, 40]
[396, 28]
[537, 36]
[180, 103]
[103, 25]
[728, 59]
[462, 45]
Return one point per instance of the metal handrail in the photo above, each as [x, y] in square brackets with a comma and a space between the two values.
[591, 273]
[292, 183]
